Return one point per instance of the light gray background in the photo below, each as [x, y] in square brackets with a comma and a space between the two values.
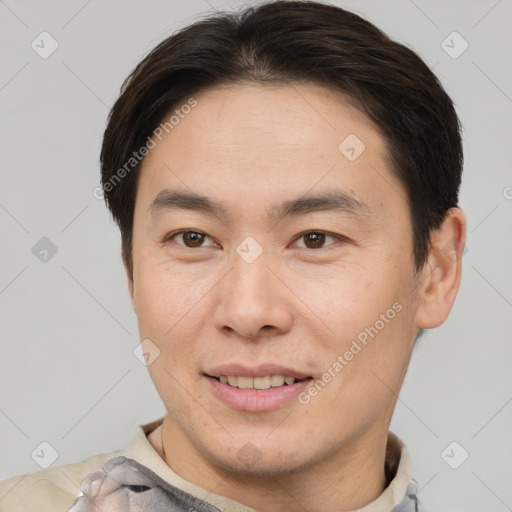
[68, 375]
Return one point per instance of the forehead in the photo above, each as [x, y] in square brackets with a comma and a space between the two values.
[258, 141]
[305, 121]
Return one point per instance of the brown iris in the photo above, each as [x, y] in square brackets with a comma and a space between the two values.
[193, 238]
[316, 239]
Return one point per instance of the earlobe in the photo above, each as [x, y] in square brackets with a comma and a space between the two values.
[440, 278]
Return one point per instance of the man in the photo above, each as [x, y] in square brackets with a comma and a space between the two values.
[286, 185]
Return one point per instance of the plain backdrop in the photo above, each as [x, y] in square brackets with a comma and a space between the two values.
[68, 375]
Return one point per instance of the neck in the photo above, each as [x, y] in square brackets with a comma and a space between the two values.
[348, 479]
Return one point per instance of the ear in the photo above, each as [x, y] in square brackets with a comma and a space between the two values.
[441, 274]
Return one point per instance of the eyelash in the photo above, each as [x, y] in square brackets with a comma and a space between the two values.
[341, 238]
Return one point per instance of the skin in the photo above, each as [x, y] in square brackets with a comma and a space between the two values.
[252, 146]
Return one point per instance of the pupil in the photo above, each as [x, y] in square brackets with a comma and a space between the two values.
[194, 238]
[317, 239]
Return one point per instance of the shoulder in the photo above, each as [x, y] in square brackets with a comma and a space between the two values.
[54, 489]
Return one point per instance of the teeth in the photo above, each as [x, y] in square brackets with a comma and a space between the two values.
[276, 381]
[262, 382]
[245, 382]
[269, 381]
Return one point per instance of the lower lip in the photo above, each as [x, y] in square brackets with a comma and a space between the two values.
[253, 400]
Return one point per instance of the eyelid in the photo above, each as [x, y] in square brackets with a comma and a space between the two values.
[339, 238]
[167, 238]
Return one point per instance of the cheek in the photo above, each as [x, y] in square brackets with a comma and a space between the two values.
[367, 317]
[164, 299]
[376, 356]
[364, 378]
[347, 301]
[172, 312]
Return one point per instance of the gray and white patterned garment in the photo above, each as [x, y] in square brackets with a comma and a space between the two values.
[126, 485]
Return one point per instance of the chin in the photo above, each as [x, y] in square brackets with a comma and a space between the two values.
[265, 467]
[259, 459]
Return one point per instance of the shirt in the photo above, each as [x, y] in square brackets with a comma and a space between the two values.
[137, 479]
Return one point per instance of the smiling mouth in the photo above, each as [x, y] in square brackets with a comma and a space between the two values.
[257, 383]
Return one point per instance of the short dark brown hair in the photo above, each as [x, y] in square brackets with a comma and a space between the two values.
[282, 42]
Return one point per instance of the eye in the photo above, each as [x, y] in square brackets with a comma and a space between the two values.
[190, 239]
[138, 488]
[316, 239]
[194, 239]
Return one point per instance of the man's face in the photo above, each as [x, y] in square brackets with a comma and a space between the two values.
[256, 289]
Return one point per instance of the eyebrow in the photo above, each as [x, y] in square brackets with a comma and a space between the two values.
[331, 200]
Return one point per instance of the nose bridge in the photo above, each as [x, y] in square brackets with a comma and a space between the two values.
[252, 297]
[250, 279]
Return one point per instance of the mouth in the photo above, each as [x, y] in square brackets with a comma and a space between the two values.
[257, 383]
[260, 389]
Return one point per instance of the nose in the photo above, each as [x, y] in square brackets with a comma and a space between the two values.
[254, 302]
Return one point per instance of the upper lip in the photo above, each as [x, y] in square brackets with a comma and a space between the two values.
[262, 370]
